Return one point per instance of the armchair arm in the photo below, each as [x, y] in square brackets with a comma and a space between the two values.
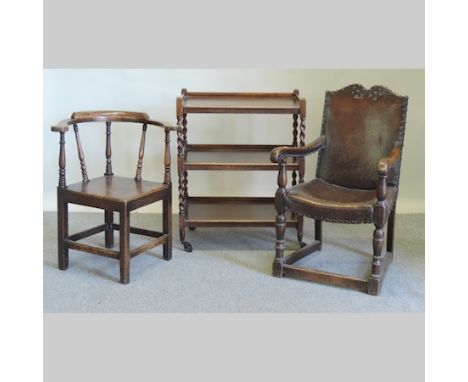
[62, 126]
[386, 164]
[166, 125]
[282, 152]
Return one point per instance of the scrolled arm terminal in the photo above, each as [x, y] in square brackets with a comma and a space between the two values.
[62, 126]
[166, 125]
[385, 164]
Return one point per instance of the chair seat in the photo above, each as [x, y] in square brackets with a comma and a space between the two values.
[117, 189]
[321, 200]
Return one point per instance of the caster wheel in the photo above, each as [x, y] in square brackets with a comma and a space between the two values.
[302, 244]
[192, 228]
[187, 246]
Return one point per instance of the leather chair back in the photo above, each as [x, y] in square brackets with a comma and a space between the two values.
[362, 126]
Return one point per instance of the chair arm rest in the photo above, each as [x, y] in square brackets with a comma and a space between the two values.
[166, 125]
[62, 126]
[385, 164]
[279, 153]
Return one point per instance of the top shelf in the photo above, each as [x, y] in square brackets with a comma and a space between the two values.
[240, 103]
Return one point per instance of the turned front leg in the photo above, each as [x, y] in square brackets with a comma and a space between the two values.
[280, 226]
[379, 217]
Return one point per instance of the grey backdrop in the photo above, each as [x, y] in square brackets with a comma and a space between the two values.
[239, 34]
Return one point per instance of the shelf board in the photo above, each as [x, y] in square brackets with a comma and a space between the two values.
[233, 212]
[233, 157]
[243, 103]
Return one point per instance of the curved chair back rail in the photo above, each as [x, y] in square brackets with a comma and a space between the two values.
[108, 117]
[361, 127]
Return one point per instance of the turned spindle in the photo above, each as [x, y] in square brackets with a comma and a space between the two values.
[84, 172]
[108, 151]
[141, 153]
[62, 162]
[167, 158]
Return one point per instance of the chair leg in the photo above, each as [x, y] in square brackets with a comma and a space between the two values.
[318, 232]
[391, 230]
[109, 232]
[125, 246]
[375, 280]
[62, 233]
[279, 258]
[167, 225]
[280, 226]
[300, 230]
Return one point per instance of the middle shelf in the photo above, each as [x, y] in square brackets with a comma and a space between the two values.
[225, 211]
[232, 157]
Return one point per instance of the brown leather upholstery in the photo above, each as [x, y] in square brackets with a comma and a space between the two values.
[321, 200]
[361, 126]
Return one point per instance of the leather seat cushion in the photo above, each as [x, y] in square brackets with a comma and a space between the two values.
[321, 200]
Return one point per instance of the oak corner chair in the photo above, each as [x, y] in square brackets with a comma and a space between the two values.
[112, 194]
[357, 179]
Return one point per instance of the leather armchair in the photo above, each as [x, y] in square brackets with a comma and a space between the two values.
[357, 178]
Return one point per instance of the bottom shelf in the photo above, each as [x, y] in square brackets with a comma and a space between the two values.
[233, 212]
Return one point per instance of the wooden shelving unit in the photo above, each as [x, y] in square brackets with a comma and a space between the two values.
[200, 211]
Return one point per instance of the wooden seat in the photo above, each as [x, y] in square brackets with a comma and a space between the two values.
[357, 178]
[113, 194]
[114, 190]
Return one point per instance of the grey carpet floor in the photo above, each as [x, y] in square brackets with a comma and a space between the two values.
[230, 271]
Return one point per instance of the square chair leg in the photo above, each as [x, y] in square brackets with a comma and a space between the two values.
[62, 217]
[124, 247]
[167, 225]
[109, 231]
